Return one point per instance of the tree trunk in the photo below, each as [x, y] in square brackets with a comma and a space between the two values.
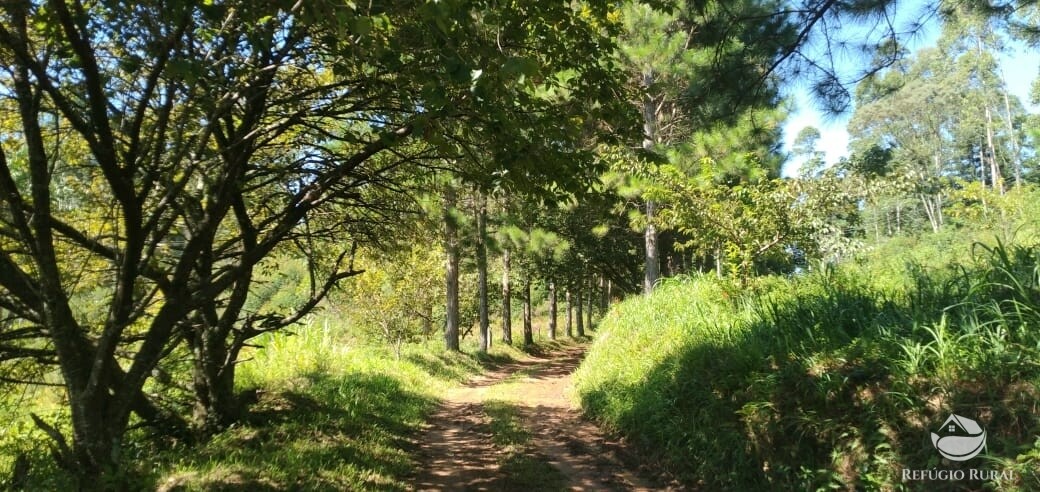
[591, 299]
[718, 261]
[579, 318]
[994, 170]
[933, 215]
[899, 218]
[528, 329]
[482, 287]
[552, 310]
[939, 209]
[982, 164]
[570, 313]
[427, 322]
[216, 405]
[507, 304]
[1016, 153]
[652, 268]
[451, 275]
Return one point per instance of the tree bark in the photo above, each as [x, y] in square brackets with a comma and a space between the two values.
[482, 287]
[652, 267]
[1015, 149]
[216, 405]
[930, 209]
[451, 272]
[579, 318]
[552, 310]
[718, 261]
[507, 304]
[591, 299]
[570, 313]
[899, 218]
[994, 169]
[528, 328]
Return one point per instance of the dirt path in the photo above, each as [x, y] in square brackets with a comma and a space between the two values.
[551, 448]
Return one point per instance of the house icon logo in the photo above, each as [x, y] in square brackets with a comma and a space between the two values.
[959, 439]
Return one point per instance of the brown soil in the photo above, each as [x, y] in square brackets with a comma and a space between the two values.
[457, 450]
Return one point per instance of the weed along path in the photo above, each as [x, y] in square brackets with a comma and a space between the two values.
[514, 429]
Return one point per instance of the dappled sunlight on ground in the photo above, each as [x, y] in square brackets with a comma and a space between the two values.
[549, 447]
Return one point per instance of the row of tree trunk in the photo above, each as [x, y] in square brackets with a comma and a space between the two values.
[583, 299]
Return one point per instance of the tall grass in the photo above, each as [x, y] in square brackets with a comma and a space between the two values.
[328, 411]
[332, 413]
[830, 380]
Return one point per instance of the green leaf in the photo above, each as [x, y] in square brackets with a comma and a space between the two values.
[520, 66]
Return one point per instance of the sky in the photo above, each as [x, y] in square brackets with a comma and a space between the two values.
[1021, 65]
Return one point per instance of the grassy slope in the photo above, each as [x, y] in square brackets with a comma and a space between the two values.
[834, 379]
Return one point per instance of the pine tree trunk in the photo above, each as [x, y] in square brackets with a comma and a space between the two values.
[591, 299]
[570, 313]
[652, 267]
[451, 275]
[528, 328]
[482, 287]
[552, 310]
[579, 317]
[507, 304]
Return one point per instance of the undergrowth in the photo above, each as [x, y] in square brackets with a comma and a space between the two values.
[326, 412]
[830, 380]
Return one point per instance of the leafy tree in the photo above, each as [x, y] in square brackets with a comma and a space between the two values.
[395, 300]
[939, 115]
[218, 133]
[805, 147]
[696, 66]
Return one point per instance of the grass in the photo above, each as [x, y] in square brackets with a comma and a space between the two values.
[830, 380]
[329, 413]
[330, 416]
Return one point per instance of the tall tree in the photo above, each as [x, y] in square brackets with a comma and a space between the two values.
[939, 115]
[552, 310]
[451, 270]
[216, 131]
[696, 65]
[528, 327]
[507, 298]
[482, 272]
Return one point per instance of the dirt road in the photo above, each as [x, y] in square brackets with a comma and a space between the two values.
[515, 428]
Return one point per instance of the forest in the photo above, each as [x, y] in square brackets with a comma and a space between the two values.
[518, 245]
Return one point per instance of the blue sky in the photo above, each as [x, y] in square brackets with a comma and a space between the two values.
[1021, 66]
